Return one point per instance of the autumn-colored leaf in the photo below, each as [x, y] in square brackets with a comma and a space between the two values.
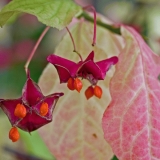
[76, 131]
[131, 123]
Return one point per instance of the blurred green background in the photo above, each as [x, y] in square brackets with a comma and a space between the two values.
[17, 39]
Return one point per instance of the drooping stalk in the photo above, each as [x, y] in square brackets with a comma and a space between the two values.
[74, 46]
[94, 32]
[35, 48]
[112, 28]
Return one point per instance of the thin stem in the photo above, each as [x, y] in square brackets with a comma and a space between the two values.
[74, 46]
[94, 12]
[112, 28]
[35, 48]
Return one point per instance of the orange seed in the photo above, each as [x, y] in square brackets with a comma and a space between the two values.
[89, 92]
[20, 111]
[97, 91]
[70, 84]
[14, 134]
[78, 84]
[44, 109]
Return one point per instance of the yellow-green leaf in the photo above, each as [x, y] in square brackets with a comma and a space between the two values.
[54, 13]
[76, 131]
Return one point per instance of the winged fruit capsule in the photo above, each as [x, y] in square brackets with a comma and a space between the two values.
[70, 72]
[31, 111]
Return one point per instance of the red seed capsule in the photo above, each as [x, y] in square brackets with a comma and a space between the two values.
[14, 134]
[78, 84]
[20, 111]
[70, 84]
[89, 92]
[97, 91]
[44, 109]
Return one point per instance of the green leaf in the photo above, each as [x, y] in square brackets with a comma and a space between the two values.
[114, 158]
[35, 145]
[54, 13]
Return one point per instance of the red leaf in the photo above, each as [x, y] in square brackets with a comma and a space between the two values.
[131, 123]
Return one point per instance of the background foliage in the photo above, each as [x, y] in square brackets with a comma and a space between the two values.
[18, 37]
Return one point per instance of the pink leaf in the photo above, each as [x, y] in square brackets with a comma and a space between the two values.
[76, 132]
[131, 123]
